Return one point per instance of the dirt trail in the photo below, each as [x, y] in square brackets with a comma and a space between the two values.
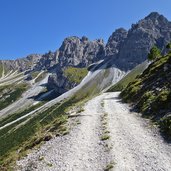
[81, 150]
[135, 146]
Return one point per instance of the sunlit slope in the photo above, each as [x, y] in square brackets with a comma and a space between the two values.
[128, 78]
[151, 93]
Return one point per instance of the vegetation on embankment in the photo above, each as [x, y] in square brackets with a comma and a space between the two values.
[119, 86]
[37, 76]
[14, 116]
[40, 77]
[75, 75]
[10, 93]
[151, 93]
[30, 132]
[34, 130]
[3, 69]
[34, 74]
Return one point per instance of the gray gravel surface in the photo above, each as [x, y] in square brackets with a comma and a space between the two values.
[80, 150]
[136, 145]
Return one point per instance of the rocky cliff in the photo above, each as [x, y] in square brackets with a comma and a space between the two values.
[77, 53]
[127, 48]
[80, 52]
[154, 29]
[114, 44]
[22, 64]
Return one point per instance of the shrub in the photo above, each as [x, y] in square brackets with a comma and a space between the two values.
[154, 53]
[165, 125]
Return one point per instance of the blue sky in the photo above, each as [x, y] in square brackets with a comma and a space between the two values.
[37, 26]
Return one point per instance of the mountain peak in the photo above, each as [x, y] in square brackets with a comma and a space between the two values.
[156, 16]
[152, 21]
[121, 29]
[153, 15]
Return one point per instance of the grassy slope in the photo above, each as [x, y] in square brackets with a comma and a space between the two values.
[75, 75]
[38, 129]
[33, 132]
[128, 78]
[41, 77]
[151, 93]
[93, 87]
[10, 94]
[34, 74]
[14, 116]
[1, 69]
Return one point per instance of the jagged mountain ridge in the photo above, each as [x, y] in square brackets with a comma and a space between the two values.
[75, 51]
[115, 40]
[80, 52]
[126, 48]
[154, 29]
[22, 64]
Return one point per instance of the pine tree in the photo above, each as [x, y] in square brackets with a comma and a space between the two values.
[154, 53]
[168, 46]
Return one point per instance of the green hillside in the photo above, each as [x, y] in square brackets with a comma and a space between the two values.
[3, 68]
[35, 129]
[75, 75]
[151, 93]
[10, 94]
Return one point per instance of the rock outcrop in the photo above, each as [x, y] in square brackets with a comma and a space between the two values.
[59, 82]
[115, 41]
[75, 52]
[47, 61]
[80, 52]
[22, 64]
[154, 29]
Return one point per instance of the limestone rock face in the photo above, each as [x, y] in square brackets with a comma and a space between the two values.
[127, 48]
[47, 61]
[154, 29]
[22, 64]
[75, 52]
[59, 82]
[80, 52]
[115, 40]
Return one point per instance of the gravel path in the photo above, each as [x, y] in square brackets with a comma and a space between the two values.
[135, 146]
[81, 150]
